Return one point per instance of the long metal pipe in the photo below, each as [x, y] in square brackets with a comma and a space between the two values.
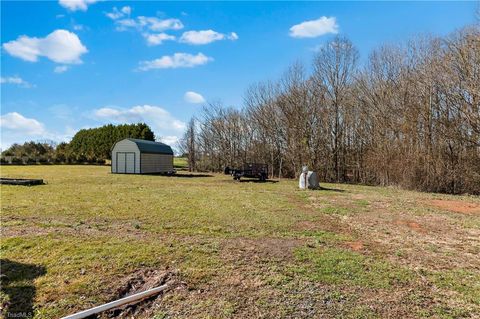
[117, 303]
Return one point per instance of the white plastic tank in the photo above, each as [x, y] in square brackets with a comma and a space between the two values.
[308, 179]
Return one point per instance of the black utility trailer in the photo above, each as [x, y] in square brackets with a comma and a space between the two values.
[251, 170]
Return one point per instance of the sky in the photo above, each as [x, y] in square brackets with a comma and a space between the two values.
[73, 64]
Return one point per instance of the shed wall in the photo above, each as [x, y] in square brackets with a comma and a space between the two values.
[126, 146]
[156, 163]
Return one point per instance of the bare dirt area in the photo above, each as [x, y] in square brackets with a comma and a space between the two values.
[412, 225]
[456, 206]
[406, 232]
[356, 245]
[430, 243]
[248, 249]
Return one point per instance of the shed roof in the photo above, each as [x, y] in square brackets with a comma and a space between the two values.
[152, 147]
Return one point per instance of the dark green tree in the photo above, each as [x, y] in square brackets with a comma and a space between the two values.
[95, 144]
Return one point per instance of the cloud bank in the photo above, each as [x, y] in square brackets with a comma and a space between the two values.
[18, 123]
[164, 125]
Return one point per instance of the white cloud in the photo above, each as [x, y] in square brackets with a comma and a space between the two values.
[60, 68]
[150, 27]
[17, 128]
[146, 23]
[314, 28]
[193, 97]
[15, 80]
[178, 60]
[170, 140]
[124, 24]
[74, 5]
[127, 10]
[205, 37]
[157, 38]
[155, 24]
[17, 123]
[117, 14]
[160, 120]
[60, 46]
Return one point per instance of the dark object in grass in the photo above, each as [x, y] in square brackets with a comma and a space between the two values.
[251, 170]
[21, 181]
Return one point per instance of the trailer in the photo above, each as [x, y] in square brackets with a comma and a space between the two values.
[250, 170]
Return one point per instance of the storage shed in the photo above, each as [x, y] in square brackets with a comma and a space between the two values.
[134, 156]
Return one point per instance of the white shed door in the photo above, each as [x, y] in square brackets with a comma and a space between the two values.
[126, 162]
[121, 161]
[130, 167]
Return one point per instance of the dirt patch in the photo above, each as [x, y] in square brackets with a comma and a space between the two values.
[306, 225]
[255, 250]
[412, 225]
[456, 206]
[139, 281]
[355, 245]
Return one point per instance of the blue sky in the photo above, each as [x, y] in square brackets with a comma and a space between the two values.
[67, 65]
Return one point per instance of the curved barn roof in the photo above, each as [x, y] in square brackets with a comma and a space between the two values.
[152, 147]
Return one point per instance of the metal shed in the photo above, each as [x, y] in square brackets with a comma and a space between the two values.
[134, 156]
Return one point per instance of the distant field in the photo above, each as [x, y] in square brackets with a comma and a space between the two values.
[235, 249]
[180, 163]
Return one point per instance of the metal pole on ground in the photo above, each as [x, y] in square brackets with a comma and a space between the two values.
[117, 303]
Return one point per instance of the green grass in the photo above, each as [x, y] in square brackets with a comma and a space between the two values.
[464, 282]
[180, 162]
[79, 266]
[341, 266]
[242, 249]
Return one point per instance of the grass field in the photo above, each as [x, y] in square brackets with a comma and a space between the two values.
[235, 249]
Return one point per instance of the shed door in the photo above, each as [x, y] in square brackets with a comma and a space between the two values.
[121, 161]
[126, 162]
[130, 163]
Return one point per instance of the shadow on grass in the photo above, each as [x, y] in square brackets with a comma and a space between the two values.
[17, 284]
[257, 181]
[330, 189]
[181, 175]
[190, 175]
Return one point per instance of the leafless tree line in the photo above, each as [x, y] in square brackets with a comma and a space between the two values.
[410, 116]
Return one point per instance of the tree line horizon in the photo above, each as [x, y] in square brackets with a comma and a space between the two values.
[409, 117]
[92, 146]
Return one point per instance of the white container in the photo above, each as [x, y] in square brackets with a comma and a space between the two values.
[308, 179]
